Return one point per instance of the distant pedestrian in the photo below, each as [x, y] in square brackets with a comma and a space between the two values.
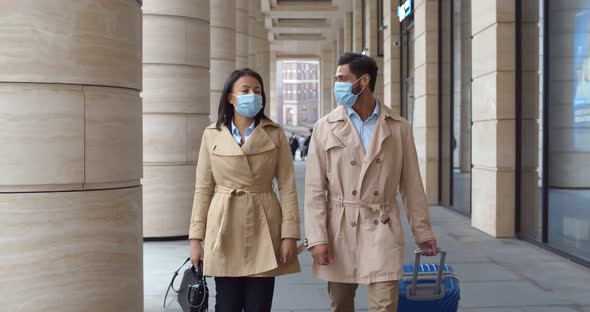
[306, 143]
[301, 146]
[294, 144]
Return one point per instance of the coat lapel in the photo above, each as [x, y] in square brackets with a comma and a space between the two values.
[381, 133]
[259, 141]
[345, 132]
[224, 143]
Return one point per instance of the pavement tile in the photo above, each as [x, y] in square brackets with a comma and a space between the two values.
[496, 275]
[506, 294]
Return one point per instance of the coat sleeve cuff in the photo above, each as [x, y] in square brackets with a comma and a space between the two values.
[290, 229]
[197, 230]
[424, 237]
[317, 237]
[311, 245]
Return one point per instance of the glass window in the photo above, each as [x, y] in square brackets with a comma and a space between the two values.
[554, 124]
[568, 119]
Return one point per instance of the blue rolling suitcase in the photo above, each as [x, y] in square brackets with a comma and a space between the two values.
[429, 287]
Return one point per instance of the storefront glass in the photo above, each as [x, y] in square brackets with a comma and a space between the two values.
[455, 105]
[554, 125]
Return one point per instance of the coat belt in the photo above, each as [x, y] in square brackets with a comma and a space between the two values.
[249, 189]
[381, 208]
[230, 192]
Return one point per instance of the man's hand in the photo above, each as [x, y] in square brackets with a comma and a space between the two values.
[321, 254]
[428, 248]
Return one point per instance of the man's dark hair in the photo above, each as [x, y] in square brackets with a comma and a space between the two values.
[360, 65]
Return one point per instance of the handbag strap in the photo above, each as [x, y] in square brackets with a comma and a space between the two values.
[174, 278]
[198, 273]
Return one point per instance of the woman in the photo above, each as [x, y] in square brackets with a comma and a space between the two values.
[249, 237]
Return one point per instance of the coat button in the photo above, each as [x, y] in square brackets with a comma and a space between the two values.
[376, 193]
[354, 193]
[353, 224]
[375, 222]
[378, 160]
[353, 163]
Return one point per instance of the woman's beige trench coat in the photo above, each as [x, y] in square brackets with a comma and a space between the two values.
[235, 209]
[350, 197]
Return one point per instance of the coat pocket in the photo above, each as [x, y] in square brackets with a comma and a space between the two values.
[214, 217]
[395, 225]
[335, 216]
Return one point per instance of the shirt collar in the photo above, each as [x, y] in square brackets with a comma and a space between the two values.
[376, 111]
[234, 129]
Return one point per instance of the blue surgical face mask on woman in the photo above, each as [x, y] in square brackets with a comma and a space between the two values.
[249, 105]
[343, 92]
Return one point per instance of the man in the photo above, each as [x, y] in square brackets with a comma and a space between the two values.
[359, 155]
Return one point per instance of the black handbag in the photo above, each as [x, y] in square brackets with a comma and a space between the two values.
[193, 293]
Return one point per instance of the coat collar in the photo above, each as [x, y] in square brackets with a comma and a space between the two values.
[344, 130]
[341, 114]
[224, 143]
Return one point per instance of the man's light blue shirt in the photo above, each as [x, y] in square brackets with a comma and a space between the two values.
[236, 133]
[366, 128]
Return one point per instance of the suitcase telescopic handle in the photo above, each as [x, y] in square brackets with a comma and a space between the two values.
[439, 275]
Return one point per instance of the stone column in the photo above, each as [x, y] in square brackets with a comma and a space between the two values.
[333, 65]
[493, 87]
[242, 36]
[272, 85]
[70, 140]
[263, 60]
[426, 93]
[371, 35]
[252, 44]
[348, 33]
[327, 80]
[340, 47]
[176, 110]
[223, 49]
[391, 57]
[357, 26]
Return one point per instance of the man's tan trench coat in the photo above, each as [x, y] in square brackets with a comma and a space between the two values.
[235, 209]
[350, 200]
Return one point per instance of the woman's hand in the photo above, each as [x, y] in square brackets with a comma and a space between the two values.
[288, 251]
[197, 252]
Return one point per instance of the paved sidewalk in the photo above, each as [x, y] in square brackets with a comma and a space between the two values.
[497, 275]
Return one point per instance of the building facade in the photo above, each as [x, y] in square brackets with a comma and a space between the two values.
[299, 93]
[496, 94]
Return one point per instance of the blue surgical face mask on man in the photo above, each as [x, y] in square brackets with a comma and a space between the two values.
[249, 105]
[343, 92]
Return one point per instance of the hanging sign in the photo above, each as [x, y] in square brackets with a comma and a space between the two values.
[405, 9]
